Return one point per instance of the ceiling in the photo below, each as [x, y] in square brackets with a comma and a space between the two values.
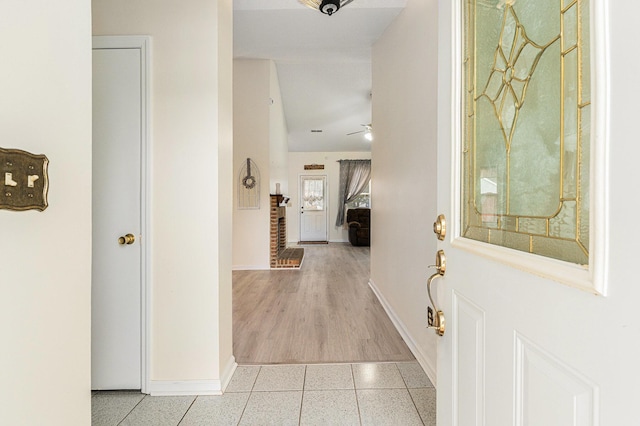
[323, 63]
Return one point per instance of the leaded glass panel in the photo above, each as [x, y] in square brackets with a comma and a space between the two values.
[526, 135]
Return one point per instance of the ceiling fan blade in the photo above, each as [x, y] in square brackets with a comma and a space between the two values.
[354, 133]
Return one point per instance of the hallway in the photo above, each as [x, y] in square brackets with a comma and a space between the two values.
[323, 313]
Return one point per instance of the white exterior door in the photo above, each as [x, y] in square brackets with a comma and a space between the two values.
[313, 208]
[520, 348]
[116, 271]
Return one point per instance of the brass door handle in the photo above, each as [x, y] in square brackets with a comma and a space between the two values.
[127, 239]
[436, 322]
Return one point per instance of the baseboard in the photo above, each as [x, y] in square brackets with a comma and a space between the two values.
[422, 359]
[227, 373]
[184, 387]
[193, 387]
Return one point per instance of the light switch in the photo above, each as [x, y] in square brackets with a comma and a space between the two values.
[31, 179]
[8, 180]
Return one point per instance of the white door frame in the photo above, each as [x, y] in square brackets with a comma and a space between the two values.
[142, 43]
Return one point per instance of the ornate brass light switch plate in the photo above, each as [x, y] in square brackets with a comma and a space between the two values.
[24, 181]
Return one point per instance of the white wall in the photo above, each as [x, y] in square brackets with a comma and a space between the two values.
[297, 160]
[260, 133]
[404, 171]
[45, 266]
[224, 117]
[278, 136]
[191, 192]
[252, 124]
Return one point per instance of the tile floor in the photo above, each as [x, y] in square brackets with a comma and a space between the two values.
[330, 394]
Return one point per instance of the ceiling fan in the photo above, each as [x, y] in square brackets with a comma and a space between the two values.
[367, 132]
[328, 7]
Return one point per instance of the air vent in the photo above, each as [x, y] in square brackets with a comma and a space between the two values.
[316, 131]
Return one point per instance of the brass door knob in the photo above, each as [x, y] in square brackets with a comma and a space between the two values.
[127, 239]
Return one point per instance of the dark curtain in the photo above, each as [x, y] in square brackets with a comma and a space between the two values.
[354, 177]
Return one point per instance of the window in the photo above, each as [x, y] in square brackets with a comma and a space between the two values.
[363, 200]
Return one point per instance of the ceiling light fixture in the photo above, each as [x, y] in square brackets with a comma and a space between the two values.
[328, 7]
[368, 135]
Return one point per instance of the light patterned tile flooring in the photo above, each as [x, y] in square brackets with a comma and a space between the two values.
[329, 394]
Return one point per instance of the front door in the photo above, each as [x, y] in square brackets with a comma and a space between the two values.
[117, 248]
[529, 339]
[313, 209]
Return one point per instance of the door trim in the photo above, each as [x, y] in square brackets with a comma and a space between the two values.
[594, 277]
[142, 43]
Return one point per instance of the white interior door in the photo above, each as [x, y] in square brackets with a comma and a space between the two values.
[519, 348]
[313, 208]
[116, 271]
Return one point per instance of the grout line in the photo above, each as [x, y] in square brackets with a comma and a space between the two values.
[244, 409]
[304, 378]
[355, 391]
[189, 408]
[304, 382]
[406, 385]
[253, 385]
[131, 411]
[246, 404]
[416, 407]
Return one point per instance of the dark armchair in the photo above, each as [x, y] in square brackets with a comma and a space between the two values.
[359, 221]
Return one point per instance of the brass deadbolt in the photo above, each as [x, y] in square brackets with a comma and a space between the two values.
[440, 227]
[127, 239]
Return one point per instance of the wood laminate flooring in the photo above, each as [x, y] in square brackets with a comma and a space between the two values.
[323, 313]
